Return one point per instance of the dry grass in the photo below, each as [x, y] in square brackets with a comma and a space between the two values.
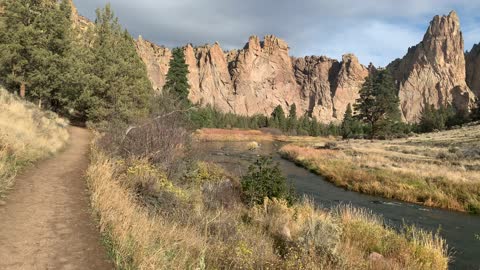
[26, 135]
[201, 223]
[240, 135]
[438, 169]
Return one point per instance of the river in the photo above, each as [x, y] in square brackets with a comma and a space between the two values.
[458, 229]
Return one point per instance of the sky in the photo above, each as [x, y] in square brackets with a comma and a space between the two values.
[376, 31]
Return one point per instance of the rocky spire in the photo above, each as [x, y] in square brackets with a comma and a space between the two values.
[433, 72]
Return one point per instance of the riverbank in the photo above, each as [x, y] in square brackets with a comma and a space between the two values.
[436, 169]
[152, 222]
[240, 135]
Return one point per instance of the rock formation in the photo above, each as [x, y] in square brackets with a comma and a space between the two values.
[473, 69]
[317, 78]
[79, 21]
[433, 72]
[157, 61]
[263, 77]
[209, 78]
[328, 86]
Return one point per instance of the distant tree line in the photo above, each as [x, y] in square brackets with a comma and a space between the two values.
[209, 117]
[95, 76]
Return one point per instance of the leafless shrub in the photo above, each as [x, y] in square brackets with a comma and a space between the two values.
[163, 139]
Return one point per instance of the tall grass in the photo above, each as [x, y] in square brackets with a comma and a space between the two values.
[200, 222]
[26, 135]
[360, 172]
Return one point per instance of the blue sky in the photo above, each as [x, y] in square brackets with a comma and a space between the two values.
[376, 31]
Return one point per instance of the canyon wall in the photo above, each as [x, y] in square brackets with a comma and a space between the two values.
[262, 75]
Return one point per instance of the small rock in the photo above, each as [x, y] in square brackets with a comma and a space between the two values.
[2, 203]
[374, 257]
[286, 233]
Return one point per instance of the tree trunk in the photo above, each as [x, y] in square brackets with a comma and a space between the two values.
[23, 90]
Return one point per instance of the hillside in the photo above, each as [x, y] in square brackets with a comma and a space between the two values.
[27, 134]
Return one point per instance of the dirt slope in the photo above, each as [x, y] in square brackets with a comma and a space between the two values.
[46, 222]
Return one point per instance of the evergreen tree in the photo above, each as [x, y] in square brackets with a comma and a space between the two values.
[348, 123]
[265, 180]
[378, 104]
[18, 42]
[177, 81]
[292, 118]
[278, 117]
[123, 89]
[35, 43]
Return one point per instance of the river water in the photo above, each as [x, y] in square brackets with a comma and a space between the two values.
[457, 228]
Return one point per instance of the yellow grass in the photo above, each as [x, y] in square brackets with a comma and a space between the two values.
[26, 135]
[152, 223]
[240, 135]
[438, 169]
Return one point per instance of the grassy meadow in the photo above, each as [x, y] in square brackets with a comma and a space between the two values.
[27, 134]
[200, 222]
[439, 169]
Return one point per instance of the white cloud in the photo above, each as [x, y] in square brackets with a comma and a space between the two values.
[376, 31]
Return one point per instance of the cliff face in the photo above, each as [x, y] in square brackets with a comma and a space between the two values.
[157, 60]
[433, 72]
[473, 69]
[209, 77]
[328, 86]
[262, 75]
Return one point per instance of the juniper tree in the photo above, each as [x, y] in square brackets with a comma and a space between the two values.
[123, 90]
[278, 118]
[378, 104]
[292, 118]
[177, 81]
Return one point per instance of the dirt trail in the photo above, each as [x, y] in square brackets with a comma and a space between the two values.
[46, 222]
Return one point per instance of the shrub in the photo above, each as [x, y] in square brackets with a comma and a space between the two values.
[265, 180]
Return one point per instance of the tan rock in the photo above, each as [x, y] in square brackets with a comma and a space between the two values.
[433, 72]
[317, 77]
[263, 77]
[350, 79]
[473, 69]
[157, 61]
[80, 22]
[209, 77]
[328, 86]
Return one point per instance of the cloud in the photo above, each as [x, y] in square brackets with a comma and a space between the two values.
[376, 31]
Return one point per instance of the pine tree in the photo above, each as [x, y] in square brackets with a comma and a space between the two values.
[378, 104]
[292, 118]
[278, 117]
[123, 90]
[177, 81]
[18, 39]
[348, 123]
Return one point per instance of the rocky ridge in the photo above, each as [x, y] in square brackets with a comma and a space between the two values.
[262, 75]
[433, 72]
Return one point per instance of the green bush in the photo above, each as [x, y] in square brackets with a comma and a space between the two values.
[265, 180]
